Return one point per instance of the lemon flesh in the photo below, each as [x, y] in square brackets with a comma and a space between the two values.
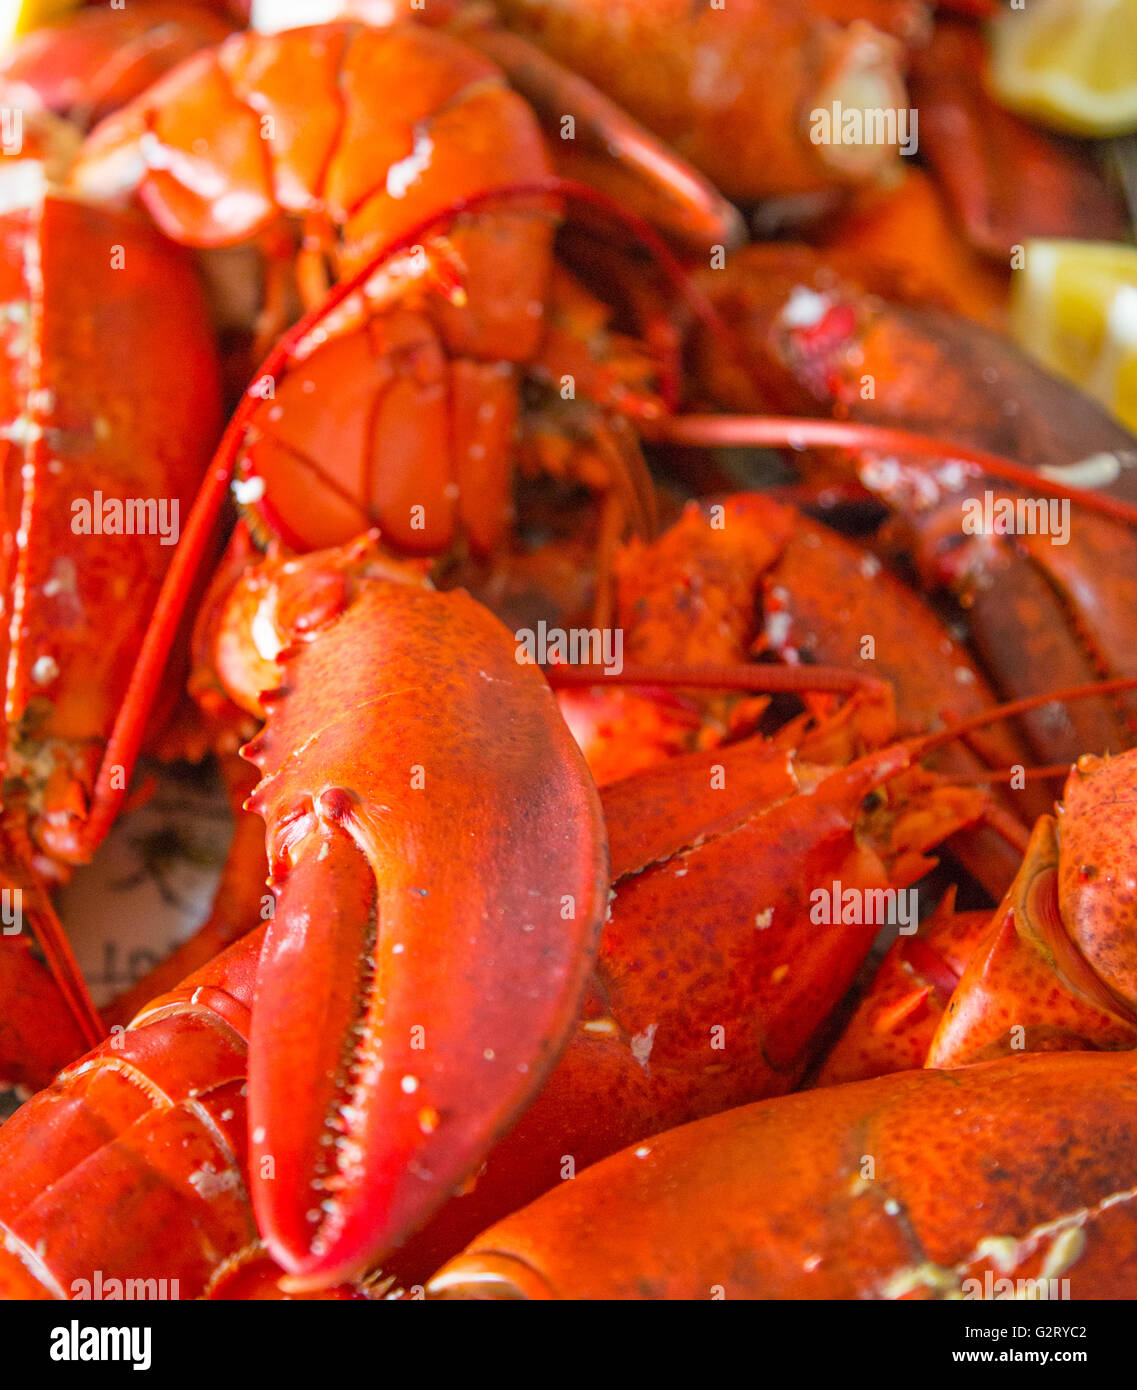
[1074, 308]
[1071, 64]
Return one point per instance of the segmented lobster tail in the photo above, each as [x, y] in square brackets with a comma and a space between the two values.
[153, 1120]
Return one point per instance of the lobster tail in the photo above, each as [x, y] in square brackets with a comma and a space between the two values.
[154, 1118]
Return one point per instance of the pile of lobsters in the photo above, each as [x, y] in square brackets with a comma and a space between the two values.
[668, 651]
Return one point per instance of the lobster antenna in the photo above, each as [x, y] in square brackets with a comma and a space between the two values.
[64, 968]
[838, 680]
[1042, 773]
[741, 676]
[793, 432]
[928, 742]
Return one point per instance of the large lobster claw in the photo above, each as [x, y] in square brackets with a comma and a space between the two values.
[914, 1186]
[438, 849]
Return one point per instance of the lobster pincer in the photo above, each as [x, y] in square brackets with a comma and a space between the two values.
[437, 849]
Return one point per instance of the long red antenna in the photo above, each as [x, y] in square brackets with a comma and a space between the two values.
[754, 676]
[793, 432]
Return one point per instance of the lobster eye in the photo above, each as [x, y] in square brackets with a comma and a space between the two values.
[873, 802]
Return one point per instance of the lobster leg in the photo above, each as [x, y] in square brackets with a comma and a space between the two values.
[895, 1022]
[629, 159]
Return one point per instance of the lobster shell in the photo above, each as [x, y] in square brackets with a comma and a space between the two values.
[900, 1187]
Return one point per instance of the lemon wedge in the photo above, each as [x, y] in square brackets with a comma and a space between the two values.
[18, 16]
[1074, 308]
[1071, 64]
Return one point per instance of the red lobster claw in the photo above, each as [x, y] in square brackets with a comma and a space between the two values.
[438, 850]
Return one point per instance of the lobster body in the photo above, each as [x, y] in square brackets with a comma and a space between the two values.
[402, 427]
[357, 165]
[403, 414]
[820, 323]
